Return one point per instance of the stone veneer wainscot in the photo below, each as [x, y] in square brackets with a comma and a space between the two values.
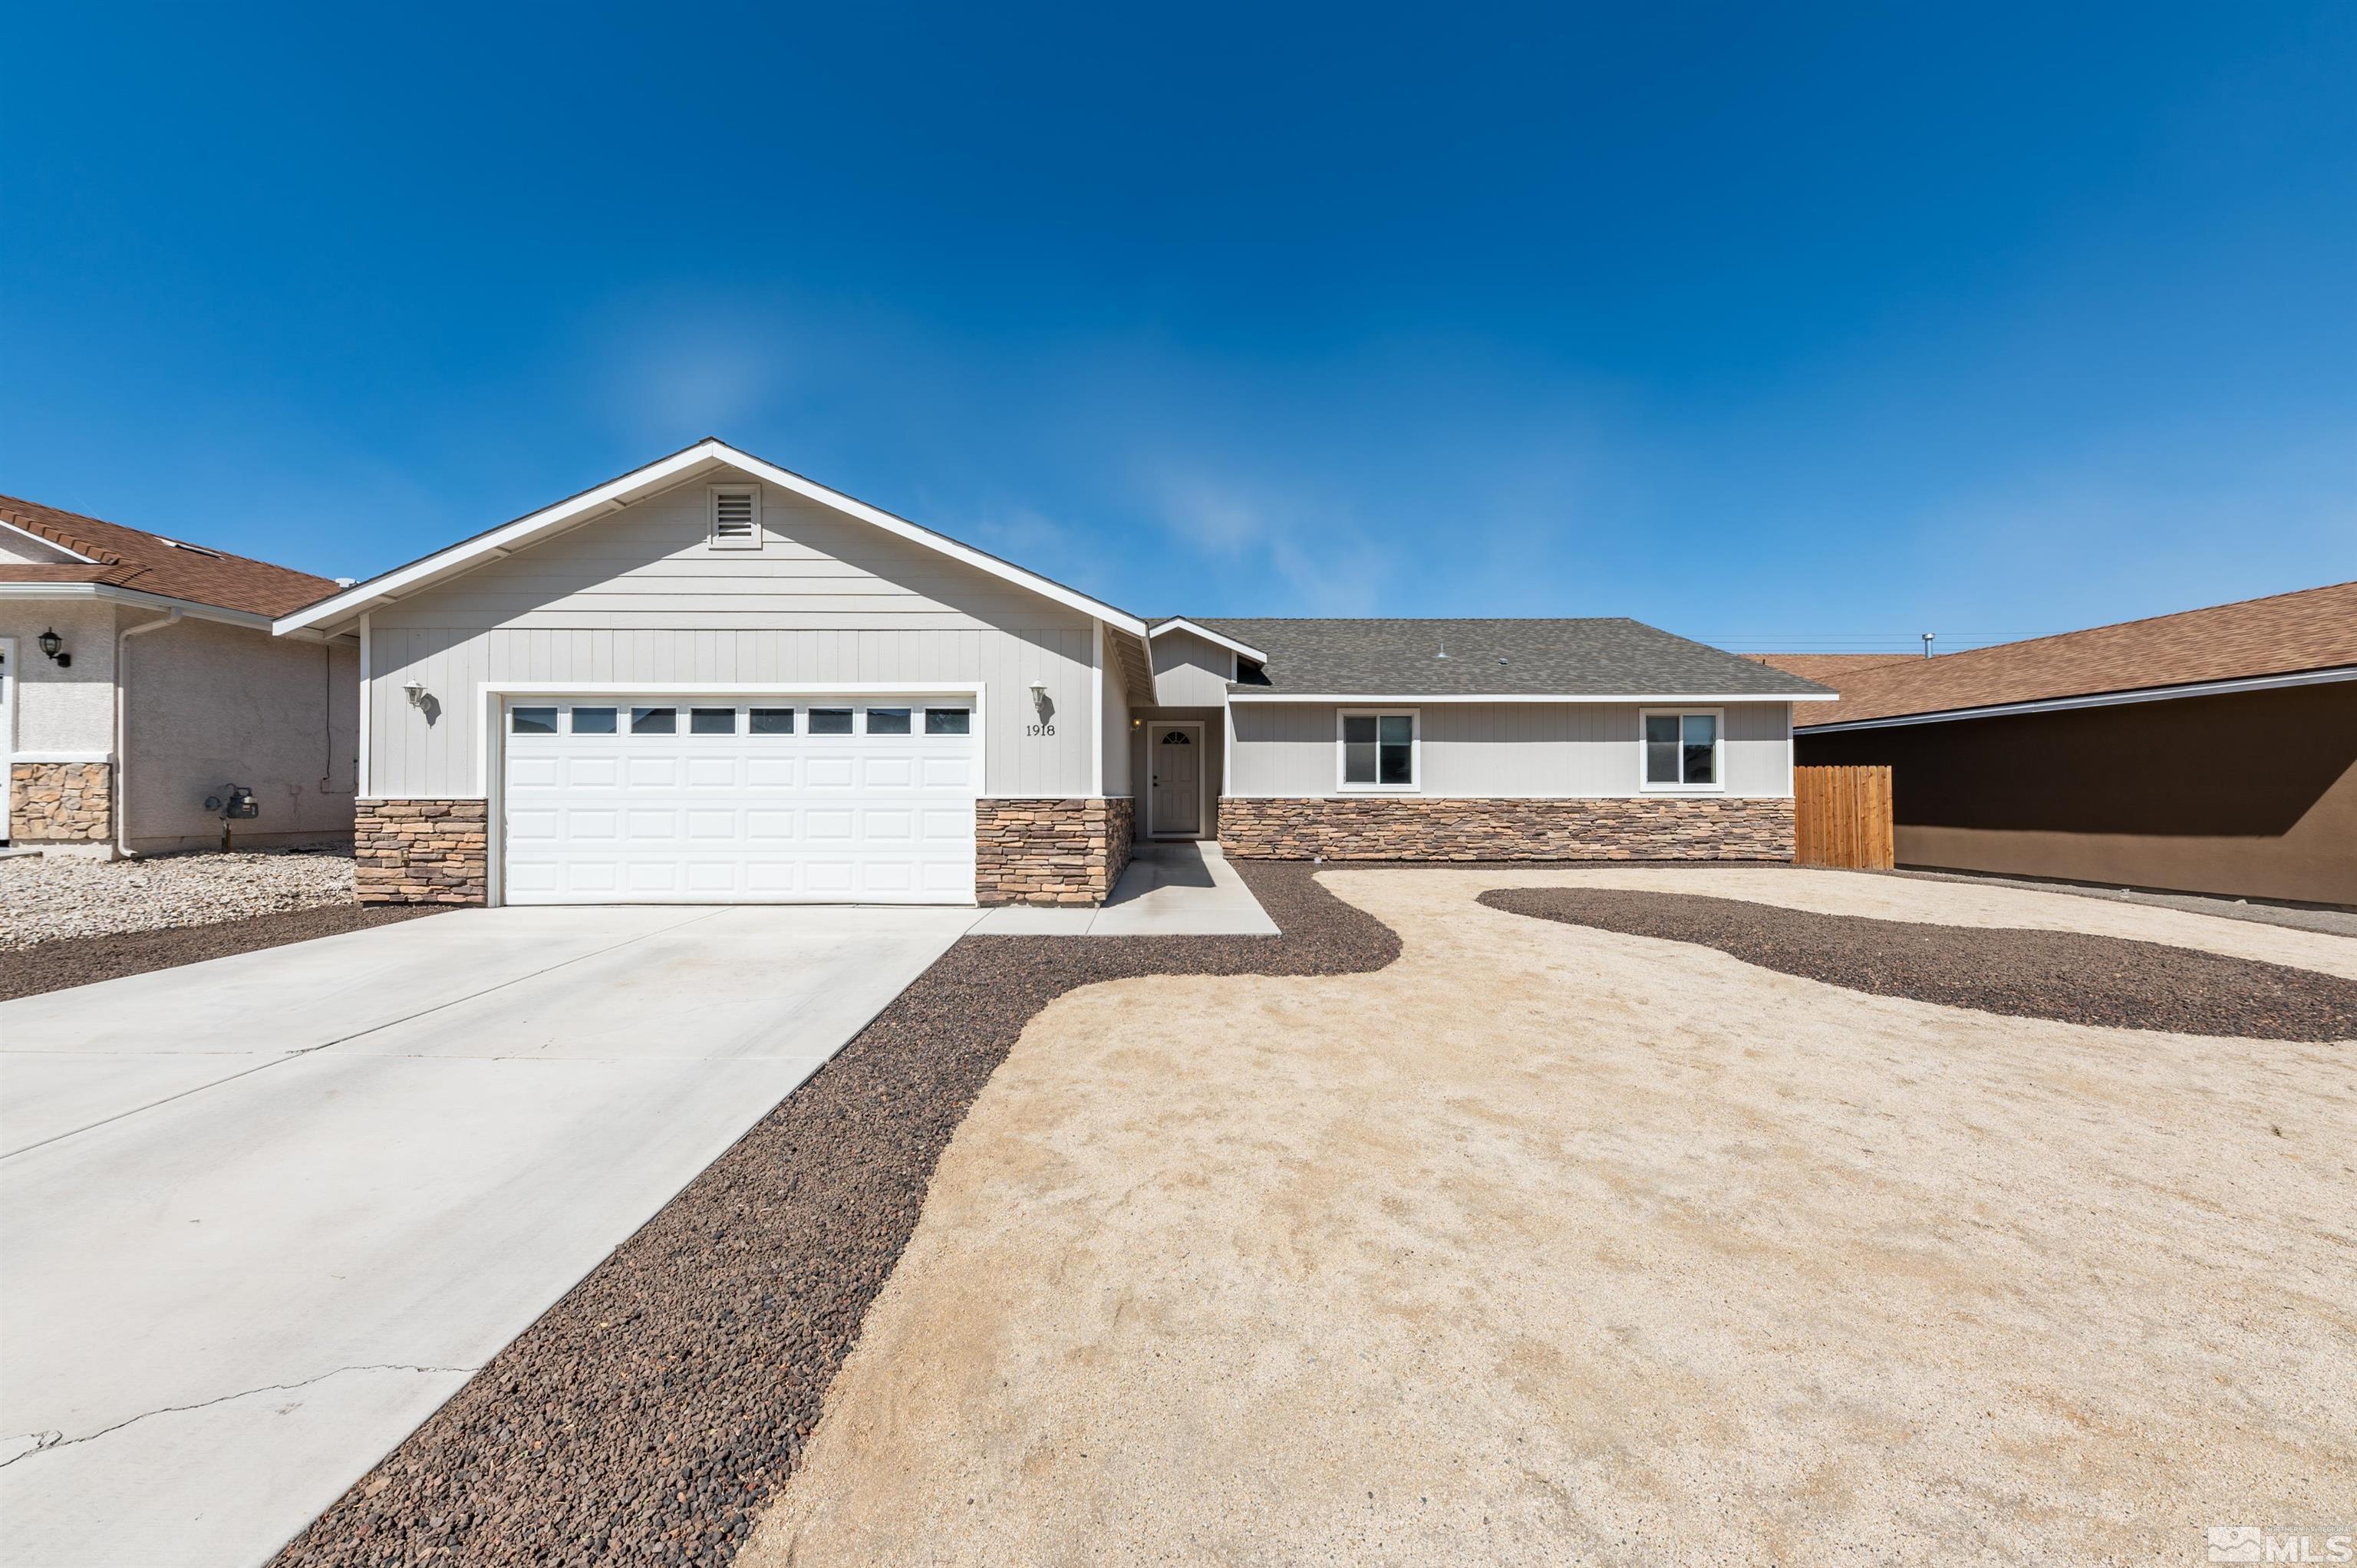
[60, 803]
[421, 851]
[1709, 827]
[1051, 851]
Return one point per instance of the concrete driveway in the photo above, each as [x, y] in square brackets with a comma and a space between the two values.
[259, 1217]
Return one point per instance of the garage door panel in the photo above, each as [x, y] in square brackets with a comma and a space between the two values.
[948, 773]
[828, 773]
[733, 815]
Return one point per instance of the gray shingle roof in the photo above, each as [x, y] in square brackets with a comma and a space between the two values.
[1597, 657]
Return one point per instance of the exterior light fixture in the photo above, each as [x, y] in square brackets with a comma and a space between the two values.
[50, 644]
[416, 689]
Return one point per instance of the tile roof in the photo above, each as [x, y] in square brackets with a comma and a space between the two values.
[2315, 628]
[1598, 656]
[132, 558]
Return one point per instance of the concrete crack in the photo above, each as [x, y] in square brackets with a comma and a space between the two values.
[47, 1442]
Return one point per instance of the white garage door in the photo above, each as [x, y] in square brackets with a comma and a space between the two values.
[724, 800]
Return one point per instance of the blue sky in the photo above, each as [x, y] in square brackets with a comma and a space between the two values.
[1772, 325]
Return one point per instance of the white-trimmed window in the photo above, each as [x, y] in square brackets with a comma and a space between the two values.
[735, 517]
[1682, 750]
[1375, 749]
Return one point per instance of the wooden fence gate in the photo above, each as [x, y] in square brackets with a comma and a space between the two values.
[1841, 817]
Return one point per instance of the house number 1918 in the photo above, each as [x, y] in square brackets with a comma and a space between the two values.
[1039, 729]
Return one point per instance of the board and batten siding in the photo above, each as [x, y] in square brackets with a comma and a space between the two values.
[1492, 749]
[1189, 673]
[640, 597]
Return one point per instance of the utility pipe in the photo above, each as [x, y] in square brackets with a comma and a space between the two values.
[122, 724]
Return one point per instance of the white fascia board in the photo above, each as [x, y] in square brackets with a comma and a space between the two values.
[507, 540]
[2098, 700]
[1181, 623]
[191, 608]
[1667, 699]
[729, 688]
[68, 551]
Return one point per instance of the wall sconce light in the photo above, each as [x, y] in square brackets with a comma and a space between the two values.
[50, 644]
[416, 689]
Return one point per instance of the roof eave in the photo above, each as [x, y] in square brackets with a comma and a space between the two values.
[2323, 676]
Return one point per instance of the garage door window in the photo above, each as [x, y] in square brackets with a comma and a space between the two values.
[654, 721]
[772, 721]
[888, 721]
[830, 721]
[531, 721]
[947, 720]
[593, 721]
[712, 721]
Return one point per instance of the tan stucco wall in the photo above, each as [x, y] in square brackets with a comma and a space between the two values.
[212, 705]
[61, 711]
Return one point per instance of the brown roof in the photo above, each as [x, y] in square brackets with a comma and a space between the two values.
[2315, 628]
[1826, 669]
[131, 558]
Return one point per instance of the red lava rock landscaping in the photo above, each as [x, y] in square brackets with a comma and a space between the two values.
[648, 1415]
[85, 960]
[2070, 977]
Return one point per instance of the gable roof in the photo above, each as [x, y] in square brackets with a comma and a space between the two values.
[1597, 658]
[604, 499]
[112, 555]
[1196, 629]
[2285, 635]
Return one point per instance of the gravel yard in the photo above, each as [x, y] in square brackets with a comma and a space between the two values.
[48, 898]
[2077, 977]
[1547, 1243]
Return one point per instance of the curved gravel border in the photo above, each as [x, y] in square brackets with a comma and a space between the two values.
[647, 1416]
[2070, 977]
[85, 960]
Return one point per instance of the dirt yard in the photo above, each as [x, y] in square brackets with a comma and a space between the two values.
[1551, 1243]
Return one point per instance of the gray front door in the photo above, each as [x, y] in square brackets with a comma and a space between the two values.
[1176, 762]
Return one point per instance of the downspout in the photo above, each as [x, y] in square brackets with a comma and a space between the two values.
[122, 724]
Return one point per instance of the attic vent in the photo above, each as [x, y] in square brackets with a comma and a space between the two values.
[191, 549]
[736, 519]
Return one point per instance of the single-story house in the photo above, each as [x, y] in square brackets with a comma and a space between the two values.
[714, 680]
[2214, 751]
[145, 705]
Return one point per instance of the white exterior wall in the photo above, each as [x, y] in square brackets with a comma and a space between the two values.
[1112, 728]
[1189, 673]
[638, 596]
[64, 713]
[1494, 749]
[211, 706]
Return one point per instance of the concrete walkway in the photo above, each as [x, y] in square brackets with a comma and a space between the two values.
[1180, 889]
[261, 1215]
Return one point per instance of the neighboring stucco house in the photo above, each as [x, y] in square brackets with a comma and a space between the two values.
[2214, 751]
[139, 679]
[712, 680]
